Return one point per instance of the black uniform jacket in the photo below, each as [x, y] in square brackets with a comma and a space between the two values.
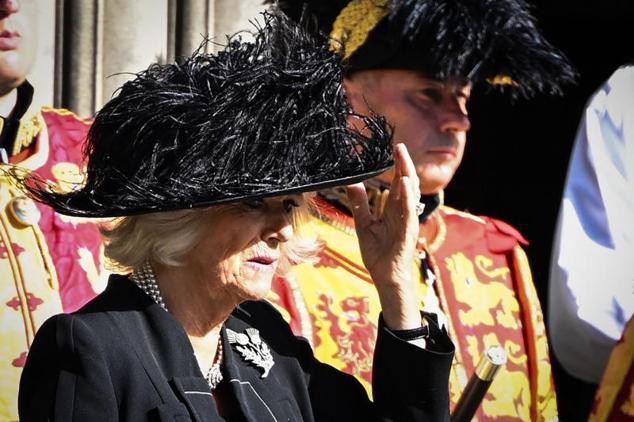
[123, 358]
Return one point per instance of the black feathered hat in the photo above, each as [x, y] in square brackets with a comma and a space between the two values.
[257, 119]
[477, 40]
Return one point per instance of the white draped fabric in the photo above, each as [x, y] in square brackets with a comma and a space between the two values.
[592, 267]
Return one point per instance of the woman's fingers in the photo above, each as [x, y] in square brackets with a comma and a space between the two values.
[405, 181]
[404, 161]
[358, 198]
[407, 168]
[397, 171]
[409, 199]
[401, 202]
[393, 204]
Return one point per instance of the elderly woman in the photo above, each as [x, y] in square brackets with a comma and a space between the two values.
[205, 163]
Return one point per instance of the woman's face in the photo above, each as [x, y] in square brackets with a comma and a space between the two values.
[241, 246]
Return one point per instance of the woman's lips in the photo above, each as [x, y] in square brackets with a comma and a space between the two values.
[9, 40]
[262, 263]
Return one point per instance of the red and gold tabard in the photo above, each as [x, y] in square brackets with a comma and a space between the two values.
[479, 278]
[614, 401]
[49, 263]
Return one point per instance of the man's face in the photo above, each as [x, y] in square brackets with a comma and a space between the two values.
[428, 116]
[17, 41]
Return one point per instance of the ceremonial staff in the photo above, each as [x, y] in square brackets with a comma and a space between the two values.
[492, 360]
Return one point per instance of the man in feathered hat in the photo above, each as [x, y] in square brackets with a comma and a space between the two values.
[415, 62]
[48, 263]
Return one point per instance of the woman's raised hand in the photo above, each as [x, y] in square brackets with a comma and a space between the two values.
[388, 243]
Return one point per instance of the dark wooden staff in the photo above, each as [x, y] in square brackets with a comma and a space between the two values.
[491, 361]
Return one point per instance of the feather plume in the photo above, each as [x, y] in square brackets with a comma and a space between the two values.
[476, 40]
[257, 119]
[481, 39]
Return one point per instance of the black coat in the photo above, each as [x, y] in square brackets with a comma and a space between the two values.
[123, 358]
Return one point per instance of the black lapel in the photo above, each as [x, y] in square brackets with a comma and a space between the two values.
[165, 352]
[260, 399]
[194, 392]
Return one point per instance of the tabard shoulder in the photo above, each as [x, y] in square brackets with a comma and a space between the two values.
[464, 228]
[66, 127]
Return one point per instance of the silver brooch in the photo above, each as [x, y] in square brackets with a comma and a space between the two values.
[252, 349]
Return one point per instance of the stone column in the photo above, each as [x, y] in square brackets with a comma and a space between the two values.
[78, 46]
[232, 16]
[134, 35]
[101, 43]
[193, 19]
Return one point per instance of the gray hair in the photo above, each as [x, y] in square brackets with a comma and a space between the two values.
[166, 237]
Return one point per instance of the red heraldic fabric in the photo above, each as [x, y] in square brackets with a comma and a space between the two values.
[49, 263]
[471, 268]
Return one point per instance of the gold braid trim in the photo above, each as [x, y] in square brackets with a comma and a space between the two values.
[27, 133]
[354, 23]
[502, 80]
[305, 322]
[66, 112]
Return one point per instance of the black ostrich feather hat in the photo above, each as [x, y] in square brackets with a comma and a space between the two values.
[493, 41]
[258, 119]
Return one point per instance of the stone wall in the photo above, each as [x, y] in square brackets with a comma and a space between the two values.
[88, 48]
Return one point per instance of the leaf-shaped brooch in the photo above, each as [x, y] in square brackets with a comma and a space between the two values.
[252, 349]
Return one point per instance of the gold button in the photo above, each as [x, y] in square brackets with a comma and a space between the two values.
[24, 210]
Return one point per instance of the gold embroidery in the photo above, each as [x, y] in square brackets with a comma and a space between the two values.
[47, 260]
[462, 214]
[473, 348]
[510, 391]
[511, 396]
[514, 353]
[65, 112]
[484, 263]
[355, 343]
[40, 242]
[300, 304]
[68, 177]
[513, 350]
[27, 133]
[502, 80]
[440, 236]
[354, 23]
[97, 277]
[481, 298]
[545, 405]
[458, 377]
[41, 147]
[627, 408]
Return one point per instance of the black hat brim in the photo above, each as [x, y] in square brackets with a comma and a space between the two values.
[78, 207]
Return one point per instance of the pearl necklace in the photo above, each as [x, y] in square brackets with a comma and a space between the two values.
[146, 280]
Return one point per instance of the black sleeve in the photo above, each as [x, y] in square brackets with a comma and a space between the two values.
[65, 377]
[409, 383]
